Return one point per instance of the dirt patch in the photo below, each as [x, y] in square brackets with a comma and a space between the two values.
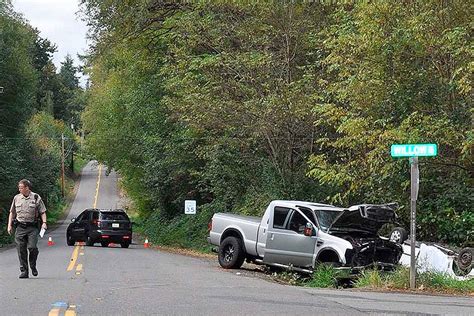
[186, 252]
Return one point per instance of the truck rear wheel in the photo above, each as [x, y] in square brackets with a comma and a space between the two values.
[231, 253]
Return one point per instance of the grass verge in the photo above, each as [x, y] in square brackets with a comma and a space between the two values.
[397, 280]
[426, 281]
[324, 276]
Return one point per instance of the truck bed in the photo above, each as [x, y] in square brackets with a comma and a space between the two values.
[242, 218]
[247, 225]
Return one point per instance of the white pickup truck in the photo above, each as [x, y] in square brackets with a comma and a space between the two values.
[299, 235]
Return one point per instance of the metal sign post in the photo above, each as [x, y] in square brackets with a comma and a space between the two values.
[415, 180]
[413, 151]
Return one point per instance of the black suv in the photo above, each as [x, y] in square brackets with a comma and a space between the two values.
[104, 226]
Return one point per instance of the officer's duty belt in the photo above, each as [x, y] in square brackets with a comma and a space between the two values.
[27, 224]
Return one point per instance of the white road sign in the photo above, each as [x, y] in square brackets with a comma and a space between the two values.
[190, 207]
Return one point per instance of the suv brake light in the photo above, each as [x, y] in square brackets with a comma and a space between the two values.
[209, 226]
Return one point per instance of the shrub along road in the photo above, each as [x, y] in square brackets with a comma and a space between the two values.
[139, 281]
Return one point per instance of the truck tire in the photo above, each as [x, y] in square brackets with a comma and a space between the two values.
[398, 235]
[231, 253]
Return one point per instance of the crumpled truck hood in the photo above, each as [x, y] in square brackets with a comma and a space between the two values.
[368, 218]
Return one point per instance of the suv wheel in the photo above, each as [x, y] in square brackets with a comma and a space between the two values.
[89, 241]
[104, 244]
[125, 244]
[69, 240]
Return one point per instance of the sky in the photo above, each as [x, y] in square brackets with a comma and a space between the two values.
[57, 21]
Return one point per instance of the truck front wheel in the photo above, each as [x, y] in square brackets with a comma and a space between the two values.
[231, 253]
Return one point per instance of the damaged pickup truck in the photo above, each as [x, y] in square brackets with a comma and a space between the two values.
[300, 235]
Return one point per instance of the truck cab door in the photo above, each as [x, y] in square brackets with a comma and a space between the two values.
[286, 243]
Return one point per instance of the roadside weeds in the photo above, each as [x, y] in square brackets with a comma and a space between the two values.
[398, 281]
[428, 283]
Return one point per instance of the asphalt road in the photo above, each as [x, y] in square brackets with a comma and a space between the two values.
[140, 281]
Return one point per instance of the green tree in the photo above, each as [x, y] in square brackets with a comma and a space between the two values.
[397, 73]
[18, 76]
[67, 101]
[235, 104]
[28, 139]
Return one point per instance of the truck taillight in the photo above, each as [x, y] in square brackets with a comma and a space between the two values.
[209, 226]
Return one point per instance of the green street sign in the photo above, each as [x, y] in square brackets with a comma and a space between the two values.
[414, 150]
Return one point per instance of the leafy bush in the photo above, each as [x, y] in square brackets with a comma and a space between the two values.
[187, 231]
[447, 225]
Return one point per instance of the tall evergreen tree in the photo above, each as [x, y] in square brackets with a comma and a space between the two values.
[67, 101]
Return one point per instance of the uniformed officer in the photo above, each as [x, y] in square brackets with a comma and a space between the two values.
[27, 207]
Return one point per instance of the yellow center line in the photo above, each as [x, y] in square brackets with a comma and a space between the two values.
[74, 255]
[80, 246]
[54, 312]
[73, 258]
[97, 188]
[70, 312]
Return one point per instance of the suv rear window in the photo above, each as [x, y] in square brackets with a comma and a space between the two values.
[110, 216]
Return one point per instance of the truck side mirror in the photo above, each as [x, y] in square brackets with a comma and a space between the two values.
[308, 230]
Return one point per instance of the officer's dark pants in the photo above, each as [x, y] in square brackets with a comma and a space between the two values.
[27, 238]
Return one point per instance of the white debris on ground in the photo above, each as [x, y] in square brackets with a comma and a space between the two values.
[430, 258]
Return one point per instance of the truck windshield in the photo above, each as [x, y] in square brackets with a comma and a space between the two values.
[309, 213]
[326, 218]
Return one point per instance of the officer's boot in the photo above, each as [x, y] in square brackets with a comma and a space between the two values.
[24, 273]
[32, 258]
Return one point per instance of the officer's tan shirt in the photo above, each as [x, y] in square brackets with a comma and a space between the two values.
[24, 208]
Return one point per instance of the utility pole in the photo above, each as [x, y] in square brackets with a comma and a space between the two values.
[82, 142]
[62, 165]
[72, 151]
[72, 159]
